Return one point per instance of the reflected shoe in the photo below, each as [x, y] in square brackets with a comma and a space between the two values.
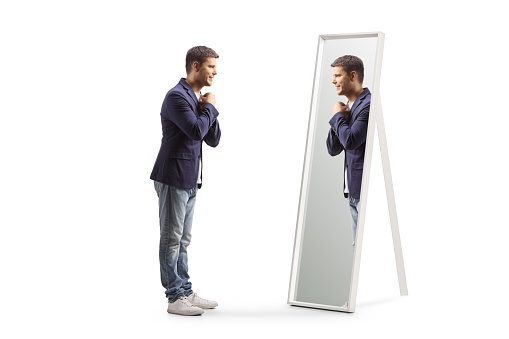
[201, 302]
[182, 306]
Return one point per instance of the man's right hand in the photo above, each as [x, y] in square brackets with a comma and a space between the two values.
[341, 107]
[208, 98]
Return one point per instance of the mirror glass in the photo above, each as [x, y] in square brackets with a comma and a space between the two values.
[324, 246]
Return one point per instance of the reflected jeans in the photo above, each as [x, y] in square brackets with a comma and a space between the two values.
[354, 213]
[176, 207]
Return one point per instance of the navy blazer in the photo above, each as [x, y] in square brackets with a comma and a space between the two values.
[350, 135]
[185, 125]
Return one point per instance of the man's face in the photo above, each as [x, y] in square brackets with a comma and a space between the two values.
[207, 71]
[341, 80]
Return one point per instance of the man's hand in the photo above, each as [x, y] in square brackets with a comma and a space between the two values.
[340, 107]
[207, 98]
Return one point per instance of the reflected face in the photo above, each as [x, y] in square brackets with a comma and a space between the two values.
[341, 80]
[207, 71]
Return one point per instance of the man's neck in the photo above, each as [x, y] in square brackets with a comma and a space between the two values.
[352, 96]
[194, 85]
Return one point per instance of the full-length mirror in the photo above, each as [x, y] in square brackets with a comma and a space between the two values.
[340, 133]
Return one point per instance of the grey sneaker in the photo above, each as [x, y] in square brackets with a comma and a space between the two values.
[201, 302]
[182, 306]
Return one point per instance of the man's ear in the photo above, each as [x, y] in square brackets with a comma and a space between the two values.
[196, 66]
[353, 75]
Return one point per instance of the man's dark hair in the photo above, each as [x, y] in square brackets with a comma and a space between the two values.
[351, 63]
[199, 54]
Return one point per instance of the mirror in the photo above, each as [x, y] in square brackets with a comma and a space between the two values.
[327, 246]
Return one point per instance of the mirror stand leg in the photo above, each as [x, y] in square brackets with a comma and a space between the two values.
[396, 239]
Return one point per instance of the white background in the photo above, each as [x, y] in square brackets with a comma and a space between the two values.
[81, 89]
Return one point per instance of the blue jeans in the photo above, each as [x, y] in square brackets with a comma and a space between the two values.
[354, 213]
[176, 207]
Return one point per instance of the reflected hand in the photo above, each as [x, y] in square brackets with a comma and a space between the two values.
[341, 107]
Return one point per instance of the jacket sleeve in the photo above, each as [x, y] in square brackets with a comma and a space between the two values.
[178, 110]
[214, 134]
[333, 144]
[353, 136]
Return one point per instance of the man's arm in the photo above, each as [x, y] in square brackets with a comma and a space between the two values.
[353, 136]
[179, 111]
[214, 135]
[333, 144]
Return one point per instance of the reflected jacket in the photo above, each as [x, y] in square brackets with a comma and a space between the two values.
[350, 135]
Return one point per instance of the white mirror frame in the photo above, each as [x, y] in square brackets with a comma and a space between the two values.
[374, 108]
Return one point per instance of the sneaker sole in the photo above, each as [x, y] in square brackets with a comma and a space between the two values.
[185, 313]
[206, 307]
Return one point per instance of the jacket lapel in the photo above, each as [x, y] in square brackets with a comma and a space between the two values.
[357, 103]
[191, 94]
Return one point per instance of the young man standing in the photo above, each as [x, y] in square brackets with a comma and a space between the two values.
[187, 119]
[349, 127]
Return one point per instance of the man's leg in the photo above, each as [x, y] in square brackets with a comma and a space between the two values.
[354, 213]
[182, 266]
[182, 263]
[172, 214]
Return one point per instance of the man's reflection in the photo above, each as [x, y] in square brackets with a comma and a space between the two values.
[349, 126]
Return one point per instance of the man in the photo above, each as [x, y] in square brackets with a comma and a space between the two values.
[187, 119]
[349, 126]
